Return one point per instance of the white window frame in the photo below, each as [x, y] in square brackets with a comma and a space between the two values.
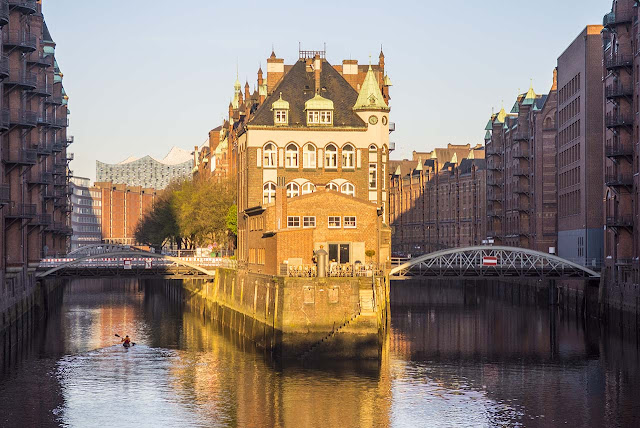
[307, 188]
[334, 219]
[331, 157]
[373, 170]
[293, 222]
[308, 221]
[293, 190]
[351, 223]
[280, 117]
[333, 186]
[326, 117]
[291, 156]
[348, 157]
[269, 156]
[309, 156]
[268, 192]
[348, 189]
[313, 117]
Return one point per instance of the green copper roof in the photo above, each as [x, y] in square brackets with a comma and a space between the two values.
[487, 135]
[370, 97]
[530, 97]
[489, 126]
[516, 108]
[280, 104]
[318, 103]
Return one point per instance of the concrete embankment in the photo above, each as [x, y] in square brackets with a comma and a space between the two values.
[294, 318]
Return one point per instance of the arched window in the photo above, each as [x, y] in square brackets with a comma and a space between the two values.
[348, 189]
[293, 190]
[332, 186]
[292, 156]
[269, 192]
[348, 156]
[373, 148]
[309, 156]
[269, 155]
[331, 157]
[308, 187]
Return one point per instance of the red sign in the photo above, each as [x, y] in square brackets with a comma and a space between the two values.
[489, 261]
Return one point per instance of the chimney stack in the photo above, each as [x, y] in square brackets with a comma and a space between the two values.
[275, 71]
[260, 83]
[247, 95]
[317, 69]
[554, 87]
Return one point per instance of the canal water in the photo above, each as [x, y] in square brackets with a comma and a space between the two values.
[466, 359]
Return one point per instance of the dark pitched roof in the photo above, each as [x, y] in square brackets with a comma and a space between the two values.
[298, 86]
[465, 165]
[46, 36]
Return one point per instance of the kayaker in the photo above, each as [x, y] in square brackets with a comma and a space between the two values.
[126, 340]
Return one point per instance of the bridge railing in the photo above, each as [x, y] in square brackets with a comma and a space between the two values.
[336, 270]
[133, 261]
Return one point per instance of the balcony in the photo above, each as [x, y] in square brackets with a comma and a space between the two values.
[59, 122]
[42, 177]
[43, 89]
[24, 118]
[620, 16]
[521, 136]
[617, 149]
[43, 149]
[25, 6]
[70, 141]
[25, 80]
[40, 59]
[616, 120]
[494, 195]
[619, 61]
[520, 152]
[522, 187]
[392, 126]
[42, 220]
[4, 12]
[54, 99]
[620, 221]
[494, 164]
[21, 157]
[521, 171]
[615, 180]
[48, 192]
[618, 90]
[59, 169]
[61, 228]
[521, 204]
[494, 212]
[69, 157]
[492, 151]
[19, 39]
[4, 119]
[57, 147]
[21, 211]
[4, 67]
[5, 194]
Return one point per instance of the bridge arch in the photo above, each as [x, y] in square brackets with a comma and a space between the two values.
[477, 261]
[123, 255]
[91, 249]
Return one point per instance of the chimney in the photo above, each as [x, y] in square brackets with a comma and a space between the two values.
[317, 68]
[240, 100]
[275, 71]
[247, 95]
[230, 112]
[554, 87]
[260, 83]
[281, 204]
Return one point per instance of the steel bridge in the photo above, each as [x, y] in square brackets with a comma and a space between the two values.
[120, 261]
[490, 262]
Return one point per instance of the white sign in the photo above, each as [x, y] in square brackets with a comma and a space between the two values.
[127, 264]
[148, 264]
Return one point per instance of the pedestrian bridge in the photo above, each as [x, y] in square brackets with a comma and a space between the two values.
[490, 262]
[122, 261]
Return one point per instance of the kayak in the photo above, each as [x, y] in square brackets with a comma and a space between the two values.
[126, 345]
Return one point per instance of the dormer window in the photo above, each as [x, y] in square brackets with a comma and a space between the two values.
[280, 110]
[319, 111]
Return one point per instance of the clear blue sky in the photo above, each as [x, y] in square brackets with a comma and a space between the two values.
[145, 75]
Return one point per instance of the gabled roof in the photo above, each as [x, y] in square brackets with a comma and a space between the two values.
[370, 96]
[298, 86]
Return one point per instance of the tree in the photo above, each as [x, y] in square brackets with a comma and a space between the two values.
[232, 219]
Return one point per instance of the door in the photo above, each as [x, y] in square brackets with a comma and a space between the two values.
[340, 253]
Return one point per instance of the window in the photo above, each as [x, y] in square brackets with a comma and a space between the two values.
[313, 117]
[309, 156]
[331, 157]
[293, 190]
[292, 156]
[373, 176]
[308, 221]
[332, 186]
[349, 189]
[293, 221]
[348, 156]
[350, 222]
[269, 155]
[308, 187]
[322, 117]
[334, 222]
[384, 176]
[269, 193]
[281, 117]
[373, 148]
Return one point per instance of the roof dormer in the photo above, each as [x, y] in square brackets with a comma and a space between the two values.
[319, 111]
[280, 110]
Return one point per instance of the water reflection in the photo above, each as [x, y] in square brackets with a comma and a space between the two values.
[458, 361]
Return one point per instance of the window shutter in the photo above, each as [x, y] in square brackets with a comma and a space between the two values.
[281, 158]
[259, 157]
[358, 158]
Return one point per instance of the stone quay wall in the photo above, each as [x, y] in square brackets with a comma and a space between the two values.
[294, 318]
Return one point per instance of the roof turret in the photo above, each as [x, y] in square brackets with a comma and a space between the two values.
[530, 98]
[370, 97]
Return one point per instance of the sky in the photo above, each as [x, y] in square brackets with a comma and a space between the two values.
[146, 75]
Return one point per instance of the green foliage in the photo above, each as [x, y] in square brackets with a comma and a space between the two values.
[196, 213]
[232, 219]
[370, 253]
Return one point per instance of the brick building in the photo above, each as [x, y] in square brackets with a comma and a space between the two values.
[621, 77]
[521, 172]
[86, 213]
[580, 149]
[122, 208]
[312, 158]
[34, 193]
[437, 200]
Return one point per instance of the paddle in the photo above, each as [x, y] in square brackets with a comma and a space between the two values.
[132, 343]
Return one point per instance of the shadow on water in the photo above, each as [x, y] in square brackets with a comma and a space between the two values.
[455, 356]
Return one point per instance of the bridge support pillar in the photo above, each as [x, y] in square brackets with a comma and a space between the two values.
[553, 292]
